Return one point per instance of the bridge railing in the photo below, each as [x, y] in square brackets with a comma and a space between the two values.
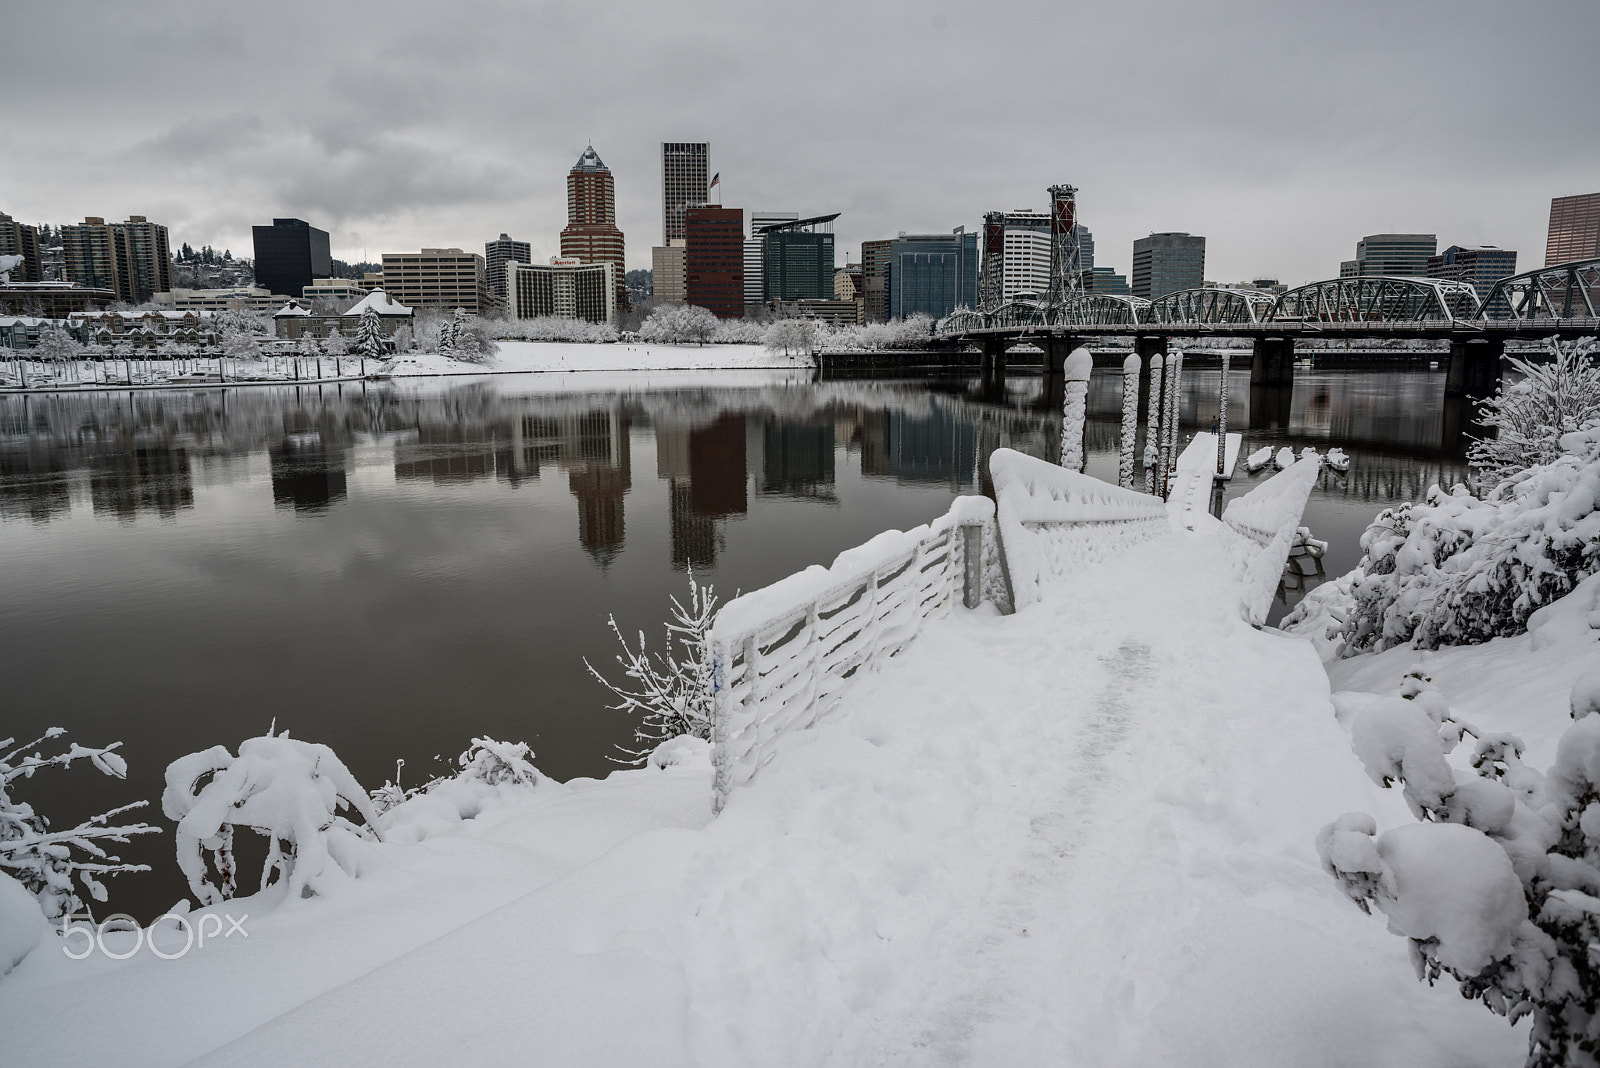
[1053, 521]
[782, 656]
[1263, 524]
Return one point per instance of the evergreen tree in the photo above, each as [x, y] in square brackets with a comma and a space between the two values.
[369, 334]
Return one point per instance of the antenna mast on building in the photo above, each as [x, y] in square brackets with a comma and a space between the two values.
[1066, 259]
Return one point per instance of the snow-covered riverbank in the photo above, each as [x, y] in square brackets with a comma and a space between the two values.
[1057, 837]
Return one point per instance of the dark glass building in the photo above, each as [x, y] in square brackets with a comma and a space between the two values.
[289, 254]
[1168, 263]
[797, 259]
[933, 274]
[713, 260]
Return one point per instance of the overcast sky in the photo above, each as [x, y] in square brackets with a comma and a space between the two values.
[1282, 132]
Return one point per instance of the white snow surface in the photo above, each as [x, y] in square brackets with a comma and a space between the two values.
[1079, 835]
[1201, 452]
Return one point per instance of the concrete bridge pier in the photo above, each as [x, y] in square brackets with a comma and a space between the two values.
[1147, 347]
[1272, 362]
[992, 368]
[1474, 367]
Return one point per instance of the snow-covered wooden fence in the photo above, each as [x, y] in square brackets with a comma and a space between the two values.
[1264, 522]
[1053, 522]
[783, 655]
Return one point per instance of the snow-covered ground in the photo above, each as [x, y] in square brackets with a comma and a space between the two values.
[523, 356]
[1079, 835]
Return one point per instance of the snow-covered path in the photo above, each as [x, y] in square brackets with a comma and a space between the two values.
[1080, 835]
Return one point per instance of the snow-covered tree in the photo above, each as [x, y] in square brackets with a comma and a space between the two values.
[1525, 421]
[679, 324]
[471, 339]
[556, 328]
[446, 335]
[57, 345]
[791, 336]
[335, 344]
[1454, 569]
[369, 334]
[671, 692]
[1500, 887]
[289, 790]
[240, 344]
[45, 861]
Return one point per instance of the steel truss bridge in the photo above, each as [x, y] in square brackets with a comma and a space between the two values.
[1561, 299]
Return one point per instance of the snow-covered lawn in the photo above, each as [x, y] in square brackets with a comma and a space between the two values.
[1079, 835]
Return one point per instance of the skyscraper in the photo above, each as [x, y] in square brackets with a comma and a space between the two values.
[591, 234]
[875, 280]
[132, 258]
[1480, 265]
[498, 253]
[289, 255]
[933, 274]
[685, 175]
[1574, 229]
[797, 259]
[1016, 255]
[1391, 255]
[1168, 263]
[713, 264]
[755, 250]
[20, 239]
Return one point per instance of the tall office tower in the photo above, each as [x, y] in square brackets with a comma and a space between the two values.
[496, 254]
[1168, 263]
[1481, 265]
[446, 278]
[933, 274]
[666, 273]
[755, 250]
[797, 260]
[1085, 247]
[132, 259]
[1106, 280]
[1391, 255]
[713, 263]
[685, 175]
[1016, 255]
[1574, 229]
[20, 239]
[875, 280]
[591, 234]
[289, 254]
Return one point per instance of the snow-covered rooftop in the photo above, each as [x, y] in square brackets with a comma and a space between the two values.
[379, 302]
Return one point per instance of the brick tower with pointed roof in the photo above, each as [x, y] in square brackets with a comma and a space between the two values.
[591, 234]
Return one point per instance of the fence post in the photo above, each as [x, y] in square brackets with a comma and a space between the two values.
[1152, 425]
[1222, 418]
[1074, 415]
[1130, 419]
[971, 564]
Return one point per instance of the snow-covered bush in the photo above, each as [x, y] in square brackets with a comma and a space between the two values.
[679, 324]
[489, 770]
[791, 336]
[1500, 887]
[1453, 569]
[240, 344]
[289, 790]
[46, 862]
[671, 692]
[1525, 421]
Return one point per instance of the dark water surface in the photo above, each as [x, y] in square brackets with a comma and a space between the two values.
[394, 569]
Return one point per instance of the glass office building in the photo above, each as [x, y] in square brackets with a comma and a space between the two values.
[932, 273]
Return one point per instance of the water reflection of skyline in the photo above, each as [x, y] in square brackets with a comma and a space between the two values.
[131, 455]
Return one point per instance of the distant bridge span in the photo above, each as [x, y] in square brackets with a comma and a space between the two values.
[1561, 300]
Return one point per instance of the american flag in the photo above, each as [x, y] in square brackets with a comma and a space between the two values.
[715, 178]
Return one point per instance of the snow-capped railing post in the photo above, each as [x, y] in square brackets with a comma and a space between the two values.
[1152, 425]
[802, 639]
[1222, 419]
[1075, 407]
[1130, 419]
[1169, 456]
[971, 564]
[1265, 521]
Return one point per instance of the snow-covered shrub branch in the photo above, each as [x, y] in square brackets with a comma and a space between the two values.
[671, 692]
[46, 862]
[1500, 885]
[1456, 569]
[1526, 420]
[289, 790]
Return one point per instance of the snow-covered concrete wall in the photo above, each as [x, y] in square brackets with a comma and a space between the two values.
[1261, 526]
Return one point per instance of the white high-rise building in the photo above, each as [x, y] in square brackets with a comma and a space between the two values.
[1022, 239]
[754, 292]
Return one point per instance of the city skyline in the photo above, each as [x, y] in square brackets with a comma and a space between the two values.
[406, 163]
